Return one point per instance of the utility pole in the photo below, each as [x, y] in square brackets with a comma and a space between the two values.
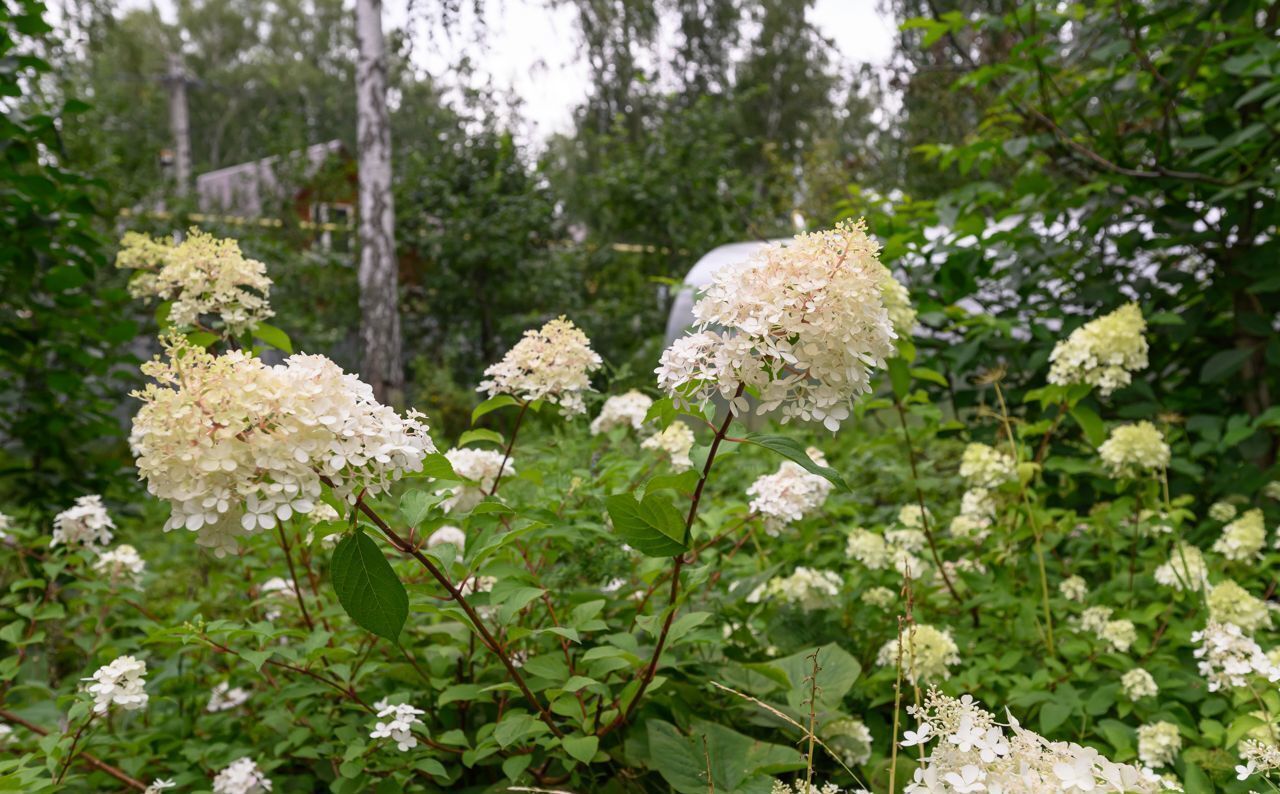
[378, 275]
[179, 124]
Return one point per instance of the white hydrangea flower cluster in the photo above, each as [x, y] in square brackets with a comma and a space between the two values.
[241, 777]
[897, 302]
[1228, 657]
[1073, 588]
[1118, 635]
[1272, 490]
[1158, 744]
[400, 719]
[1103, 352]
[800, 787]
[1133, 449]
[975, 754]
[1260, 758]
[850, 738]
[235, 445]
[676, 441]
[622, 410]
[119, 684]
[201, 275]
[986, 467]
[1138, 684]
[1222, 511]
[225, 697]
[86, 524]
[1243, 538]
[913, 516]
[790, 493]
[879, 597]
[478, 584]
[927, 653]
[803, 326]
[122, 565]
[6, 523]
[1231, 603]
[1185, 570]
[553, 364]
[878, 552]
[448, 534]
[806, 588]
[977, 514]
[480, 467]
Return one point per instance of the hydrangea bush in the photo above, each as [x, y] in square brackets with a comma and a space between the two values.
[601, 588]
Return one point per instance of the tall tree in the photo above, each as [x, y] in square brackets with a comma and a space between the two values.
[381, 364]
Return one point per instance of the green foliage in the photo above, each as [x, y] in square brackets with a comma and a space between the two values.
[63, 314]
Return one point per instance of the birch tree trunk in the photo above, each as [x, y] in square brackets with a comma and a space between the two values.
[379, 310]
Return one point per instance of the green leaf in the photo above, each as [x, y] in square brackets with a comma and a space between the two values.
[933, 376]
[899, 378]
[492, 404]
[582, 748]
[791, 450]
[482, 434]
[652, 526]
[414, 507]
[1052, 715]
[438, 467]
[368, 587]
[1090, 423]
[1222, 364]
[837, 672]
[273, 336]
[684, 482]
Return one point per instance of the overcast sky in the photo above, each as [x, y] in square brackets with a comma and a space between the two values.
[532, 48]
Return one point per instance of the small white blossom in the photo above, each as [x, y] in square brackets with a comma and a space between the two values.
[1243, 538]
[1185, 569]
[1133, 449]
[622, 410]
[880, 597]
[398, 725]
[1158, 744]
[241, 777]
[1228, 657]
[1073, 588]
[224, 697]
[159, 785]
[805, 587]
[803, 326]
[448, 534]
[237, 446]
[86, 524]
[480, 467]
[1231, 603]
[851, 738]
[1103, 352]
[552, 364]
[1138, 684]
[927, 653]
[974, 753]
[1222, 511]
[121, 565]
[790, 493]
[986, 467]
[676, 440]
[199, 276]
[119, 684]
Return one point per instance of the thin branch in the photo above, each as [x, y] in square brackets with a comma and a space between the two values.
[84, 758]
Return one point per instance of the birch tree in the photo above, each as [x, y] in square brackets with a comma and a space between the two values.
[379, 313]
